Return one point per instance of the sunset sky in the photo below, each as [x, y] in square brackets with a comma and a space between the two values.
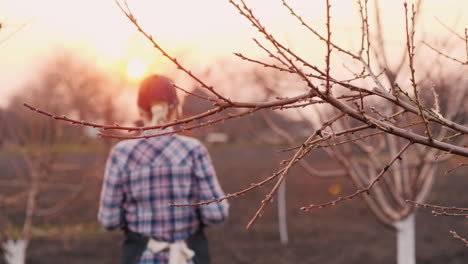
[199, 31]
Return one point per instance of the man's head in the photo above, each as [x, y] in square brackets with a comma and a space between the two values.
[157, 99]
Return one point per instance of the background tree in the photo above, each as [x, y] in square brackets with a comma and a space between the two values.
[362, 157]
[39, 147]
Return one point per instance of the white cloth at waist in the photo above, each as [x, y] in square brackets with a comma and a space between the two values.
[179, 253]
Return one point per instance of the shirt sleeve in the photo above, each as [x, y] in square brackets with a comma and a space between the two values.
[208, 189]
[111, 213]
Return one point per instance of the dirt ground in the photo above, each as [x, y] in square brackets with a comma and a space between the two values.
[346, 233]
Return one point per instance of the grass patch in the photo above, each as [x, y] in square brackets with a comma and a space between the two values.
[54, 231]
[60, 149]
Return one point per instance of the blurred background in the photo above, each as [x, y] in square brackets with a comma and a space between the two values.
[84, 59]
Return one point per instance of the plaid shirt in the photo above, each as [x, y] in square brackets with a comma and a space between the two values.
[144, 176]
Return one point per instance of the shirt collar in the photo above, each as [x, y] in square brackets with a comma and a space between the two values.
[158, 131]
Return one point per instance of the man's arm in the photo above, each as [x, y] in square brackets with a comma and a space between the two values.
[110, 214]
[209, 188]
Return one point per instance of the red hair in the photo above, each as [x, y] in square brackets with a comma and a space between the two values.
[156, 88]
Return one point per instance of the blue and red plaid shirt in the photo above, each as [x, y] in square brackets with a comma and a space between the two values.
[144, 177]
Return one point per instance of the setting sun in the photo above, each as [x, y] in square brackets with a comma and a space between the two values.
[136, 68]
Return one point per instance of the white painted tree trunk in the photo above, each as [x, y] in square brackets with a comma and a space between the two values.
[283, 225]
[15, 251]
[406, 250]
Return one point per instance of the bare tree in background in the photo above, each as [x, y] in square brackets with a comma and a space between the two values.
[32, 169]
[371, 107]
[362, 156]
[37, 161]
[409, 179]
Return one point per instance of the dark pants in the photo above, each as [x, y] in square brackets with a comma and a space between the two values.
[199, 244]
[134, 245]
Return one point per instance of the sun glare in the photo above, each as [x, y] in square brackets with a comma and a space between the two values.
[136, 68]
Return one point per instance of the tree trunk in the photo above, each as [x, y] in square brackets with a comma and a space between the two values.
[15, 251]
[406, 240]
[283, 226]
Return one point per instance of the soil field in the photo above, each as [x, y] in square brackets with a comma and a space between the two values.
[343, 234]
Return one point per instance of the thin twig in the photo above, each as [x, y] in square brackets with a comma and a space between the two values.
[435, 213]
[363, 137]
[195, 94]
[455, 235]
[410, 49]
[270, 54]
[438, 207]
[361, 191]
[460, 165]
[466, 45]
[236, 194]
[445, 55]
[448, 28]
[184, 128]
[329, 50]
[216, 110]
[315, 32]
[134, 21]
[248, 14]
[301, 153]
